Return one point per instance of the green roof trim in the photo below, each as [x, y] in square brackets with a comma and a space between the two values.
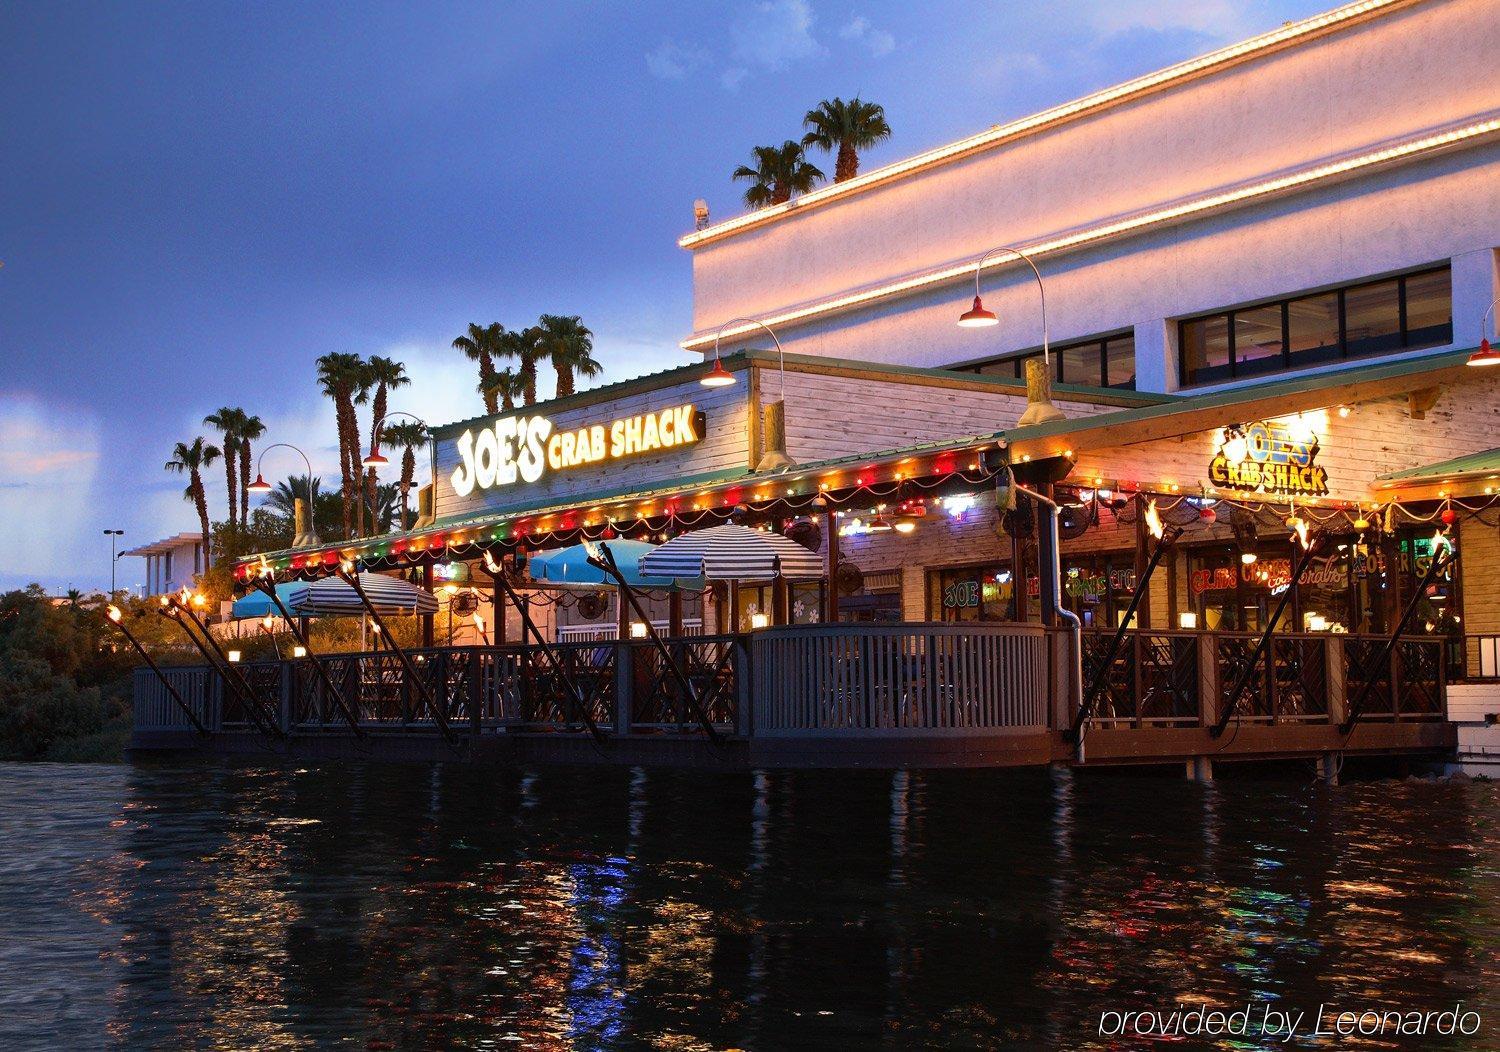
[1484, 463]
[1228, 398]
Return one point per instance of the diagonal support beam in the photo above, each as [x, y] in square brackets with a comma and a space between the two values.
[605, 561]
[1434, 568]
[439, 717]
[529, 628]
[1231, 703]
[216, 659]
[269, 589]
[119, 621]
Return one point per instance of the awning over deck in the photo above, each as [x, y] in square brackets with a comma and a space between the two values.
[965, 463]
[1477, 473]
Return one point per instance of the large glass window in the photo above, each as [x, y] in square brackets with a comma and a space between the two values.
[1357, 321]
[975, 593]
[1107, 361]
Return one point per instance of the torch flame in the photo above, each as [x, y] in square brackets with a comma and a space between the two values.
[266, 622]
[1300, 528]
[490, 564]
[164, 599]
[479, 621]
[265, 569]
[1441, 540]
[184, 597]
[114, 613]
[347, 566]
[1153, 520]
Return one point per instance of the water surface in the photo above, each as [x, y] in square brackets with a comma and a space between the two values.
[432, 907]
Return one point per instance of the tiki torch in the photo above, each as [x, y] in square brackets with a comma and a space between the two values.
[1165, 536]
[119, 621]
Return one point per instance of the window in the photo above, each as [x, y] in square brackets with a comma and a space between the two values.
[1357, 321]
[1107, 361]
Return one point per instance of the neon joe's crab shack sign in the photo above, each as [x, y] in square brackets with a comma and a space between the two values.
[526, 448]
[1269, 456]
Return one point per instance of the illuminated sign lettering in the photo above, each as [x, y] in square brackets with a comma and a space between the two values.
[1269, 456]
[525, 448]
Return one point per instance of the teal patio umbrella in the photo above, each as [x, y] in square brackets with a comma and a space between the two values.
[571, 566]
[257, 604]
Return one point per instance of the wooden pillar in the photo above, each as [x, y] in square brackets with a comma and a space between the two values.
[674, 614]
[779, 604]
[1142, 557]
[497, 603]
[734, 606]
[831, 593]
[427, 619]
[1018, 575]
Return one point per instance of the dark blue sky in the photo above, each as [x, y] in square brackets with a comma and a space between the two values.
[197, 200]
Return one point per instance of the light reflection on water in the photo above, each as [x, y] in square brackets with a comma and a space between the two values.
[407, 906]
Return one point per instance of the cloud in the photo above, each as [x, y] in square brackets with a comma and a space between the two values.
[732, 77]
[858, 28]
[49, 458]
[1211, 18]
[772, 34]
[671, 60]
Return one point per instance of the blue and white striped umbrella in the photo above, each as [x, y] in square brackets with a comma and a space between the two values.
[331, 597]
[732, 553]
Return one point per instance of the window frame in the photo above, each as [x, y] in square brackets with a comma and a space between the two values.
[1099, 346]
[1289, 359]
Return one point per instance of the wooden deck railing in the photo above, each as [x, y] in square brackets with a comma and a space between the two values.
[874, 679]
[828, 680]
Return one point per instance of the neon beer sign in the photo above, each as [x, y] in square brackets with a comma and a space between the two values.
[527, 448]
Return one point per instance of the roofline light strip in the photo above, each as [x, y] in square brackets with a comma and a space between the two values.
[1244, 50]
[1281, 184]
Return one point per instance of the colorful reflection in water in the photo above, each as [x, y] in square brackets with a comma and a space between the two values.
[434, 907]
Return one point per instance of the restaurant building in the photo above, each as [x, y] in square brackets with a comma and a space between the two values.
[1235, 311]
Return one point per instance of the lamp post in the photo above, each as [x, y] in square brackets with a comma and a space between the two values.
[1039, 407]
[977, 316]
[260, 486]
[114, 557]
[376, 459]
[774, 456]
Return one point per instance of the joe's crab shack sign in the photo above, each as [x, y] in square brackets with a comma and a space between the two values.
[1269, 456]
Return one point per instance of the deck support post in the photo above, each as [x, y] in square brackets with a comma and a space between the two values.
[624, 686]
[1200, 769]
[1328, 767]
[831, 601]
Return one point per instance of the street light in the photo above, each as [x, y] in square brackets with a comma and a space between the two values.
[113, 557]
[376, 459]
[261, 486]
[978, 317]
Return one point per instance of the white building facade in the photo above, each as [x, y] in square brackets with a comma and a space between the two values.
[171, 563]
[1326, 193]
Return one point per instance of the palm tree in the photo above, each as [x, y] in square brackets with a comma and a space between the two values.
[407, 435]
[525, 347]
[283, 499]
[387, 375]
[570, 346]
[364, 384]
[230, 423]
[779, 172]
[339, 375]
[506, 388]
[482, 345]
[847, 128]
[193, 459]
[251, 429]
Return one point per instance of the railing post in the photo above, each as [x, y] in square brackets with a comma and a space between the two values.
[624, 686]
[1208, 679]
[475, 684]
[744, 720]
[1338, 690]
[288, 687]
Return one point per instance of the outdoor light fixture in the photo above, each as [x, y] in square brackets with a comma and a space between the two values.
[1187, 619]
[977, 316]
[299, 652]
[759, 620]
[880, 524]
[1486, 355]
[637, 630]
[234, 657]
[260, 485]
[718, 376]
